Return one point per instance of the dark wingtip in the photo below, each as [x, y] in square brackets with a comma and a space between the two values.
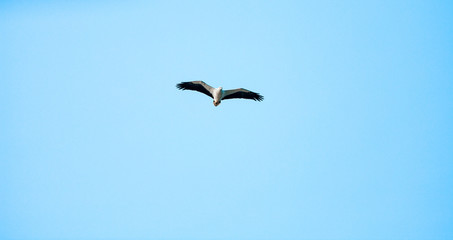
[180, 86]
[259, 97]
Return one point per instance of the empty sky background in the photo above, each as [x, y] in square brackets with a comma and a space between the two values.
[354, 139]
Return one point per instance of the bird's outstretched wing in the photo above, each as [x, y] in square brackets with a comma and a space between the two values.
[242, 93]
[199, 86]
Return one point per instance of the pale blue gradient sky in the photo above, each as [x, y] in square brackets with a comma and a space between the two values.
[354, 139]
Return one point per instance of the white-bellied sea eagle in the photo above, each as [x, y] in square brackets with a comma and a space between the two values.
[218, 94]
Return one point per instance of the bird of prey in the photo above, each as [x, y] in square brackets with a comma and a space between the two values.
[218, 94]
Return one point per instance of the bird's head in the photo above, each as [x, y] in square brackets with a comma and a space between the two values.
[216, 103]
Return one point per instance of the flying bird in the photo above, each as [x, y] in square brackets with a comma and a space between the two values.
[218, 94]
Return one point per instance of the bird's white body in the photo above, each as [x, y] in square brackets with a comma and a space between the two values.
[217, 94]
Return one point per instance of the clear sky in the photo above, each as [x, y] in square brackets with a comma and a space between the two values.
[354, 139]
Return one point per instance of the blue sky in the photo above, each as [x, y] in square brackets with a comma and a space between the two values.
[353, 140]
